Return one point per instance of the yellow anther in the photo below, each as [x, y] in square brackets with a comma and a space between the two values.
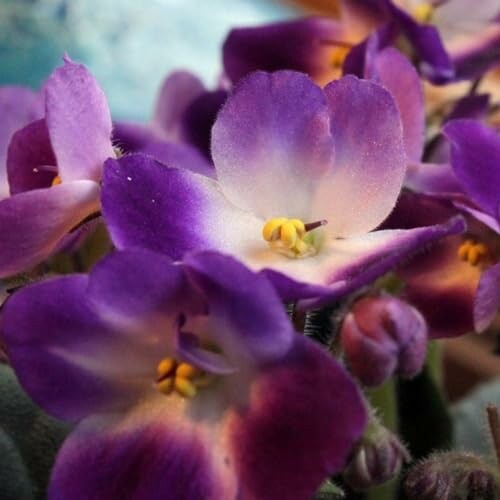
[185, 370]
[166, 386]
[165, 367]
[288, 234]
[56, 181]
[423, 12]
[184, 387]
[473, 253]
[271, 228]
[299, 226]
[339, 54]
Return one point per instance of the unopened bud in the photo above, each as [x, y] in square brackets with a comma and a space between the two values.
[452, 475]
[377, 458]
[383, 336]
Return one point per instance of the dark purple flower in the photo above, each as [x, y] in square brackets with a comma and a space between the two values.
[54, 167]
[314, 45]
[183, 117]
[186, 380]
[303, 177]
[382, 337]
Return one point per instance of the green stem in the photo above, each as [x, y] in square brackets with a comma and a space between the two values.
[383, 399]
[434, 363]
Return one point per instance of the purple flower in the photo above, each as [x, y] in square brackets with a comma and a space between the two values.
[382, 337]
[314, 45]
[303, 177]
[18, 106]
[184, 114]
[54, 166]
[187, 381]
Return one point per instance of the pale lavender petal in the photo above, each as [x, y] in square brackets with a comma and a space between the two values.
[393, 71]
[432, 178]
[35, 221]
[370, 159]
[31, 163]
[177, 92]
[475, 158]
[272, 137]
[180, 156]
[18, 106]
[79, 122]
[487, 298]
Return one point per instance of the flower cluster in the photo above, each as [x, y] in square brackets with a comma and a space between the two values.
[307, 179]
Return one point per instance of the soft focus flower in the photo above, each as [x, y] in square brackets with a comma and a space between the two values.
[382, 337]
[183, 117]
[187, 381]
[18, 106]
[54, 167]
[314, 45]
[303, 177]
[377, 458]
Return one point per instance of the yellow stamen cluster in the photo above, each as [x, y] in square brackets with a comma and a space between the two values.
[182, 378]
[338, 55]
[56, 181]
[473, 253]
[288, 236]
[423, 12]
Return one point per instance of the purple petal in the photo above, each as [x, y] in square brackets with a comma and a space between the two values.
[487, 298]
[35, 222]
[79, 122]
[31, 163]
[176, 93]
[296, 430]
[437, 282]
[151, 453]
[393, 71]
[169, 210]
[369, 158]
[475, 158]
[18, 106]
[132, 137]
[272, 137]
[141, 290]
[199, 117]
[64, 355]
[486, 219]
[432, 179]
[305, 45]
[180, 156]
[247, 317]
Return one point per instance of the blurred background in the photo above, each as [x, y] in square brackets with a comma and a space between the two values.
[129, 45]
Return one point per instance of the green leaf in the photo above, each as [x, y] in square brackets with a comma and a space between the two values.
[329, 491]
[36, 436]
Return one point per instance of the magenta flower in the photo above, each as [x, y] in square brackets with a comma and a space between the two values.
[303, 177]
[54, 167]
[187, 381]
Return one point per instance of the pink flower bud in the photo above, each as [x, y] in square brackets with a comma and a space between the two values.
[383, 336]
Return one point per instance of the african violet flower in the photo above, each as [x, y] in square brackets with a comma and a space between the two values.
[54, 165]
[303, 177]
[187, 381]
[450, 39]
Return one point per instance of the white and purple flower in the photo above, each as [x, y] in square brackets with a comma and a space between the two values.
[304, 175]
[186, 380]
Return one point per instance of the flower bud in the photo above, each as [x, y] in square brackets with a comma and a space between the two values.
[383, 336]
[452, 475]
[377, 458]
